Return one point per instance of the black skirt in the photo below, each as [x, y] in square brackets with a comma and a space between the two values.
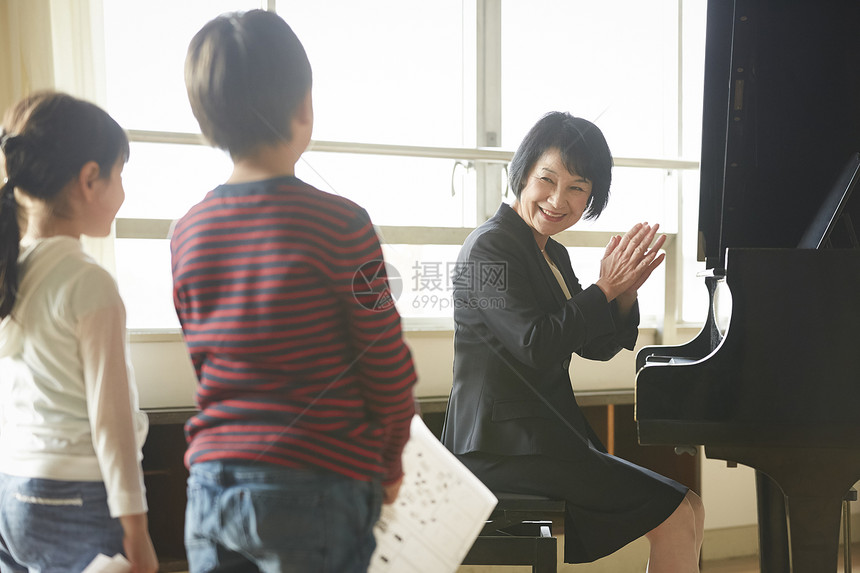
[610, 501]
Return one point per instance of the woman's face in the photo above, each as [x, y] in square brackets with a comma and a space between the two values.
[553, 198]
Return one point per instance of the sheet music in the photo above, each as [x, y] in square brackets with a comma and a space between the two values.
[439, 511]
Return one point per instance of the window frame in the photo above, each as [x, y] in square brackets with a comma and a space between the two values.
[489, 161]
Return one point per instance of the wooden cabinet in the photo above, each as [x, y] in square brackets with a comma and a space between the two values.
[165, 476]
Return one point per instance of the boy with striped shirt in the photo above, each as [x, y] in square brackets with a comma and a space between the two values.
[305, 382]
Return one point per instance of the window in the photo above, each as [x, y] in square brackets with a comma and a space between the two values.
[388, 71]
[144, 55]
[613, 63]
[418, 107]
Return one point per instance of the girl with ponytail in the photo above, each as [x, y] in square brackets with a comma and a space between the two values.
[71, 432]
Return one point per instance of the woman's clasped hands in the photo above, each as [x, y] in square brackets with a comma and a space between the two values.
[628, 262]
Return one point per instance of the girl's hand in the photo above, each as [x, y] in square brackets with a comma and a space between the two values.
[137, 544]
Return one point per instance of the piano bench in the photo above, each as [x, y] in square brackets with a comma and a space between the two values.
[519, 532]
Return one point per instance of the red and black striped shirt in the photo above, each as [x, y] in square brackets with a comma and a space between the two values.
[283, 300]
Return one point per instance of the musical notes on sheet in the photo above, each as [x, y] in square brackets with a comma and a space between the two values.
[439, 511]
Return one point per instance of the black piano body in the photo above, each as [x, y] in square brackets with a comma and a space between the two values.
[779, 390]
[787, 371]
[779, 393]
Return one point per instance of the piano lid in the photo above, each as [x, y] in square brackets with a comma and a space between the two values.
[781, 115]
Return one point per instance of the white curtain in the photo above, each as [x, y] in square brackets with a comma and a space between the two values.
[55, 44]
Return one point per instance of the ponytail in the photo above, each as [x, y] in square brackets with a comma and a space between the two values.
[10, 235]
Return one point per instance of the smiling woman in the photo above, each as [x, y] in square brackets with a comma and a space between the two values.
[512, 417]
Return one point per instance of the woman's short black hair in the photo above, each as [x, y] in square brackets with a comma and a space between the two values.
[583, 149]
[246, 74]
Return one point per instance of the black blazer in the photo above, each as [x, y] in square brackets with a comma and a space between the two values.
[514, 335]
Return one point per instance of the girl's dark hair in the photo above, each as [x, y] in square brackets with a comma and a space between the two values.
[583, 150]
[246, 73]
[46, 138]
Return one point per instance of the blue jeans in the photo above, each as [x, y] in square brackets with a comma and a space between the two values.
[54, 526]
[260, 517]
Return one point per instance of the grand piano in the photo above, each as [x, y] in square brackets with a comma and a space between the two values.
[777, 388]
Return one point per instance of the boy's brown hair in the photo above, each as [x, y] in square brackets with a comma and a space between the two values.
[246, 74]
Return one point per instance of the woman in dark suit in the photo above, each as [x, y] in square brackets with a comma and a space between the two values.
[519, 314]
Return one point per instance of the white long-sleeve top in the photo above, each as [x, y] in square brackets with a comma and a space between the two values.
[68, 404]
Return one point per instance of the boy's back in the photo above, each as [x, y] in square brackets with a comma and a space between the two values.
[264, 287]
[305, 383]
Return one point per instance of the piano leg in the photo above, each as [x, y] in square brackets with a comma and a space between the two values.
[814, 482]
[813, 527]
[772, 526]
